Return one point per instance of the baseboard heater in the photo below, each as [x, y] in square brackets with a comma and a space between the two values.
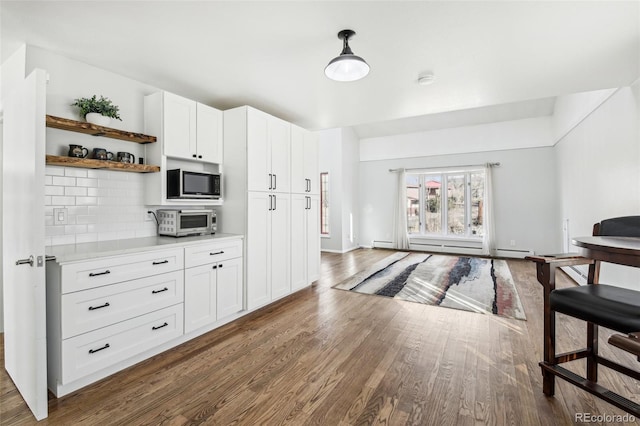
[515, 253]
[382, 244]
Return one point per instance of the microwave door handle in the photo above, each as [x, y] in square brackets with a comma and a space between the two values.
[195, 211]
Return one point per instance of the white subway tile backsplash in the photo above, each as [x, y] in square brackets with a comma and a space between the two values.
[75, 172]
[87, 182]
[64, 181]
[86, 201]
[54, 190]
[74, 190]
[54, 171]
[86, 238]
[101, 205]
[63, 201]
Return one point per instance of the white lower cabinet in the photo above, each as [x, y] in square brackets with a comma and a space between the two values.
[108, 313]
[212, 291]
[305, 240]
[268, 250]
[90, 352]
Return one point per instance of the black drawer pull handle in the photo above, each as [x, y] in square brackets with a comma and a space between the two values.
[93, 351]
[218, 252]
[161, 262]
[93, 308]
[215, 266]
[220, 265]
[95, 274]
[160, 326]
[159, 291]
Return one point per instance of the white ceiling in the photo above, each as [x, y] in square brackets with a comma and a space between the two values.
[271, 55]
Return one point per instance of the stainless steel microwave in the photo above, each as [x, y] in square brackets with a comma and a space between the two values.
[185, 184]
[183, 222]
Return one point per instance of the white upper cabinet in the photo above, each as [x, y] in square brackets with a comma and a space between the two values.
[304, 161]
[268, 157]
[192, 131]
[209, 134]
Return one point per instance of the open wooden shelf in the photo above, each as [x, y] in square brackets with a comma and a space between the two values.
[87, 163]
[95, 130]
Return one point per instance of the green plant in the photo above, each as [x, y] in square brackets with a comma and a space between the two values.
[102, 106]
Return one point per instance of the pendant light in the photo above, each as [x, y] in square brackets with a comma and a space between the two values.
[346, 66]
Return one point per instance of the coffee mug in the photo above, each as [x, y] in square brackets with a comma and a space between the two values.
[102, 154]
[78, 151]
[125, 157]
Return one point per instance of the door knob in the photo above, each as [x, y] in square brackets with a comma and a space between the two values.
[25, 261]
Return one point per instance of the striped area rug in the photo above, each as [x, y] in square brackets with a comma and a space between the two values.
[468, 283]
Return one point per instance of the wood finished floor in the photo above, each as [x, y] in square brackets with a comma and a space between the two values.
[332, 357]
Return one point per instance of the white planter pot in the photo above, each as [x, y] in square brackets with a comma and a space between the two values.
[98, 119]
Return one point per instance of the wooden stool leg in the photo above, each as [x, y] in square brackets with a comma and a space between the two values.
[548, 379]
[592, 345]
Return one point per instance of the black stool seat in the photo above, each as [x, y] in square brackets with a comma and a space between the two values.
[612, 307]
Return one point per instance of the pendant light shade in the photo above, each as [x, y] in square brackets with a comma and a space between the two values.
[346, 66]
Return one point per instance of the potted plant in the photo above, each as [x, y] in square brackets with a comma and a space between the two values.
[97, 111]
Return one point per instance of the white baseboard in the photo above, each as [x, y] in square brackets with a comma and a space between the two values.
[340, 251]
[514, 253]
[382, 244]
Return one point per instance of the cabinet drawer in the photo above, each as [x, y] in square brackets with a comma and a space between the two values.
[88, 310]
[212, 252]
[100, 272]
[91, 352]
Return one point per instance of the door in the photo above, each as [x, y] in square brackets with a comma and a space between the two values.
[259, 177]
[280, 246]
[209, 134]
[311, 171]
[229, 287]
[199, 296]
[313, 239]
[179, 115]
[280, 146]
[23, 151]
[259, 206]
[299, 205]
[299, 183]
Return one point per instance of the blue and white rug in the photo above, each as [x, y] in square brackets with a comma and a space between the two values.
[468, 283]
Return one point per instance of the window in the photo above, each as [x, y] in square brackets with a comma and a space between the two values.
[445, 204]
[324, 203]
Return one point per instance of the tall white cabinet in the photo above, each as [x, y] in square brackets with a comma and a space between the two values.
[260, 203]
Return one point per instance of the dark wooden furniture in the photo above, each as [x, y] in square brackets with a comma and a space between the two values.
[616, 241]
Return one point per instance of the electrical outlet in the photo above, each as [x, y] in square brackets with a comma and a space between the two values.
[512, 243]
[149, 217]
[60, 216]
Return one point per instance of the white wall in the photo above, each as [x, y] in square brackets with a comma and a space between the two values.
[524, 184]
[330, 161]
[514, 134]
[525, 208]
[599, 167]
[101, 205]
[350, 188]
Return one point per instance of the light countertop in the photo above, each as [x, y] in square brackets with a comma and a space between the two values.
[87, 251]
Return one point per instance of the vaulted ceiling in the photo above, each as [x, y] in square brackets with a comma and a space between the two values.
[511, 56]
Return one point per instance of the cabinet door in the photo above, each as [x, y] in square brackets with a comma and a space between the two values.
[280, 246]
[280, 145]
[311, 167]
[298, 179]
[258, 254]
[299, 204]
[209, 134]
[313, 239]
[229, 287]
[258, 153]
[179, 126]
[199, 297]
